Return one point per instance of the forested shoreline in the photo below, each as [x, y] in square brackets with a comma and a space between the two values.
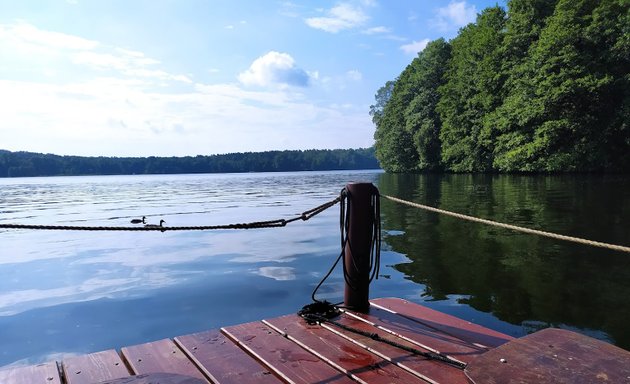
[543, 86]
[23, 164]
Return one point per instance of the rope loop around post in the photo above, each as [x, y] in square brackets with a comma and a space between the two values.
[360, 238]
[362, 243]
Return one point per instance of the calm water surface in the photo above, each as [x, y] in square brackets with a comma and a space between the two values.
[64, 293]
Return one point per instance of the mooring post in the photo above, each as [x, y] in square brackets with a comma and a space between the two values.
[359, 244]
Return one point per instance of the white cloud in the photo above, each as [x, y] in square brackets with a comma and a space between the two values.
[415, 46]
[274, 69]
[376, 30]
[396, 38]
[354, 75]
[109, 60]
[47, 50]
[455, 15]
[383, 32]
[340, 17]
[104, 100]
[231, 93]
[126, 117]
[289, 9]
[129, 63]
[26, 34]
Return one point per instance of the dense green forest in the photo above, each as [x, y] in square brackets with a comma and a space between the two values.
[543, 86]
[15, 164]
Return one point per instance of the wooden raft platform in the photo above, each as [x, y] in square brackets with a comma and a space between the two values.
[286, 349]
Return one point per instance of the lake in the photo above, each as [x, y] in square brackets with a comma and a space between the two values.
[73, 292]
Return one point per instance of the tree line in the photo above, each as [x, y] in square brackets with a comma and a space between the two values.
[541, 87]
[18, 164]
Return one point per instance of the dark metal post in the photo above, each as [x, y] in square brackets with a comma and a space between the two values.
[358, 245]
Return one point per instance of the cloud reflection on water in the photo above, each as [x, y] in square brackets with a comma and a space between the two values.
[16, 301]
[157, 281]
[277, 273]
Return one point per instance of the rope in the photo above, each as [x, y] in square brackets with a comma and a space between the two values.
[344, 225]
[375, 247]
[552, 235]
[252, 225]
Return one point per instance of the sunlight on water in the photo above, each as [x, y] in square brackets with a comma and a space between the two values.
[61, 289]
[73, 292]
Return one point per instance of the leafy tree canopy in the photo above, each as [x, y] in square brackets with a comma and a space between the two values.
[541, 87]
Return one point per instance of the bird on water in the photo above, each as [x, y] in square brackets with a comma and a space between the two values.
[155, 225]
[138, 221]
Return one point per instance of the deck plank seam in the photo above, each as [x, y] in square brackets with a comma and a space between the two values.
[256, 356]
[410, 340]
[435, 330]
[134, 370]
[199, 367]
[120, 354]
[396, 334]
[61, 372]
[416, 320]
[380, 354]
[438, 330]
[130, 366]
[208, 375]
[315, 353]
[127, 362]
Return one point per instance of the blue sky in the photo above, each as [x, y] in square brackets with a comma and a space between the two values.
[184, 77]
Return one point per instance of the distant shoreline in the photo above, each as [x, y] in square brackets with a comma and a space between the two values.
[31, 164]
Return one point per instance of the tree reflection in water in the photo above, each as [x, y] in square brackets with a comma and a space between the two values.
[522, 279]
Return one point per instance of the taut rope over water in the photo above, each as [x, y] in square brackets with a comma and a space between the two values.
[252, 225]
[312, 212]
[552, 235]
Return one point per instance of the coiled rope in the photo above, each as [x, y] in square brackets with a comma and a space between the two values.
[552, 235]
[252, 225]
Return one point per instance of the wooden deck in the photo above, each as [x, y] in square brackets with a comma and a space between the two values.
[286, 349]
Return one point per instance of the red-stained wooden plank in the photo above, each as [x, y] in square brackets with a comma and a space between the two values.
[95, 367]
[46, 373]
[160, 356]
[360, 364]
[421, 335]
[155, 378]
[431, 370]
[285, 357]
[222, 360]
[452, 325]
[552, 356]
